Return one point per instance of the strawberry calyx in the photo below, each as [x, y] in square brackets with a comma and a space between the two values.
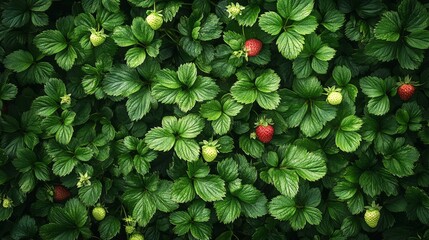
[407, 80]
[374, 206]
[264, 121]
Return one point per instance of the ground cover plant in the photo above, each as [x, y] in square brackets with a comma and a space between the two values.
[247, 119]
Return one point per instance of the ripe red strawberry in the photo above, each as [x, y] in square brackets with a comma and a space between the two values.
[155, 20]
[264, 130]
[406, 91]
[209, 150]
[252, 47]
[61, 193]
[406, 88]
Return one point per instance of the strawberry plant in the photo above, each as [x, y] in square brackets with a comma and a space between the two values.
[159, 119]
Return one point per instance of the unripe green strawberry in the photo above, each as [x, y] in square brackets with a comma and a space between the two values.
[334, 95]
[371, 217]
[209, 150]
[136, 236]
[99, 213]
[97, 37]
[155, 20]
[334, 98]
[129, 229]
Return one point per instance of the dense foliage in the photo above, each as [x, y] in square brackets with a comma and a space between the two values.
[106, 106]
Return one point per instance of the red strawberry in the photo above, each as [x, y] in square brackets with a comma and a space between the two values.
[406, 91]
[406, 88]
[264, 130]
[61, 193]
[252, 47]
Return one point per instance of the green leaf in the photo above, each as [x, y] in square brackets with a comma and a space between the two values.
[121, 81]
[333, 20]
[183, 190]
[123, 36]
[268, 81]
[271, 23]
[342, 75]
[25, 228]
[295, 9]
[305, 26]
[228, 169]
[251, 147]
[249, 15]
[50, 42]
[144, 209]
[160, 139]
[8, 91]
[401, 158]
[210, 29]
[282, 208]
[389, 27]
[379, 105]
[18, 61]
[409, 58]
[187, 149]
[418, 39]
[290, 44]
[231, 107]
[210, 188]
[66, 58]
[228, 209]
[234, 40]
[190, 126]
[201, 231]
[89, 195]
[109, 227]
[285, 181]
[222, 125]
[414, 15]
[347, 141]
[64, 134]
[211, 110]
[187, 74]
[141, 30]
[373, 86]
[325, 53]
[135, 57]
[55, 89]
[307, 165]
[255, 210]
[351, 123]
[244, 92]
[138, 104]
[382, 50]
